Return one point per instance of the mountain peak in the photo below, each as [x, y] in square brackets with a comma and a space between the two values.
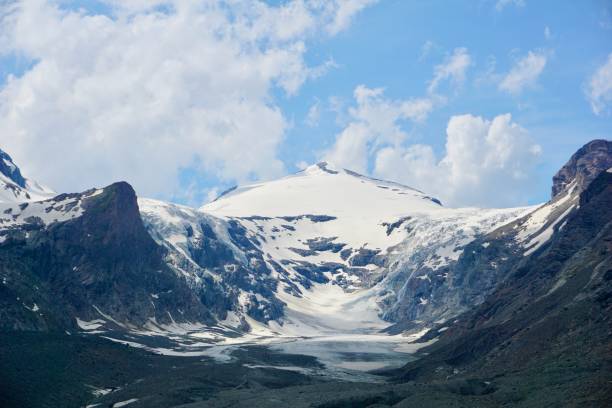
[9, 169]
[584, 165]
[322, 166]
[323, 189]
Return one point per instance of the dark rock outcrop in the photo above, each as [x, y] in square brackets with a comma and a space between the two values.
[10, 170]
[548, 323]
[591, 159]
[101, 262]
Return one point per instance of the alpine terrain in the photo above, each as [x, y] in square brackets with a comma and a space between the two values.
[325, 288]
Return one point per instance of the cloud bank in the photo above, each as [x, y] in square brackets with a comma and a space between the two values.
[156, 87]
[485, 162]
[374, 121]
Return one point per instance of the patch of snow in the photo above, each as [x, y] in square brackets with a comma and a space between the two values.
[541, 238]
[338, 194]
[107, 317]
[298, 369]
[90, 325]
[124, 403]
[99, 392]
[537, 228]
[45, 212]
[13, 193]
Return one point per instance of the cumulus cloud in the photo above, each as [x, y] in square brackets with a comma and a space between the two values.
[486, 162]
[156, 87]
[453, 68]
[524, 73]
[599, 87]
[374, 121]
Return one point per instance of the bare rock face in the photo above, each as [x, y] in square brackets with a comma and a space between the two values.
[103, 261]
[10, 170]
[590, 160]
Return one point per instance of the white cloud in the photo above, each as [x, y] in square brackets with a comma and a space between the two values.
[501, 4]
[343, 12]
[524, 73]
[485, 163]
[374, 121]
[599, 87]
[547, 33]
[351, 148]
[159, 87]
[411, 165]
[453, 68]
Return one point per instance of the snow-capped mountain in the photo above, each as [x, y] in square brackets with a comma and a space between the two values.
[15, 188]
[326, 254]
[553, 308]
[324, 251]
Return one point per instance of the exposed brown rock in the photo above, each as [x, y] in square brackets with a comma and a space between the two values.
[590, 160]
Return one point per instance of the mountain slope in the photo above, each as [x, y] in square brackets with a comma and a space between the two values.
[323, 251]
[80, 258]
[488, 259]
[545, 330]
[518, 300]
[583, 167]
[339, 193]
[16, 188]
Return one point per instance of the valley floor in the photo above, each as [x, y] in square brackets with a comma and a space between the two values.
[42, 370]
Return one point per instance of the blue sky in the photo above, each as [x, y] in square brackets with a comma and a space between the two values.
[383, 48]
[390, 47]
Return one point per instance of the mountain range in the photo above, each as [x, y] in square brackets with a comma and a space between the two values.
[327, 252]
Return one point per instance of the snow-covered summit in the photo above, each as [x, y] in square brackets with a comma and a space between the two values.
[14, 188]
[342, 248]
[323, 189]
